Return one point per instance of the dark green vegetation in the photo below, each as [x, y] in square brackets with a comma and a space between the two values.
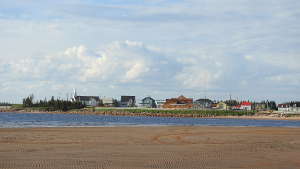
[51, 105]
[5, 104]
[200, 113]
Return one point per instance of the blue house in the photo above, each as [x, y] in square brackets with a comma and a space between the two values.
[149, 102]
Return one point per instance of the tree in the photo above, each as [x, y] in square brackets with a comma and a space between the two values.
[52, 104]
[28, 101]
[272, 105]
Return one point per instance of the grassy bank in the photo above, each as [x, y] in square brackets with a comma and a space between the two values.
[200, 113]
[140, 111]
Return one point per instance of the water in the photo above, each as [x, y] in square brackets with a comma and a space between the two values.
[28, 120]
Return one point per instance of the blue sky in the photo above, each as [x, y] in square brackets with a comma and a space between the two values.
[162, 48]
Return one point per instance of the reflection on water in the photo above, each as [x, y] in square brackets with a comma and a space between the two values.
[21, 120]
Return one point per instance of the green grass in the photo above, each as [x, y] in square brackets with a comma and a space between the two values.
[199, 113]
[203, 113]
[17, 106]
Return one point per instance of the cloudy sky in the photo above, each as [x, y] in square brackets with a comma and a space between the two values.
[161, 48]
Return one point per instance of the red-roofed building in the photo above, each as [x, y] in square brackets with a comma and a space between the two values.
[245, 105]
[238, 107]
[179, 103]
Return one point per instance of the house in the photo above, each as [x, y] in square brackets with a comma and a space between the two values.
[237, 107]
[260, 106]
[246, 105]
[127, 101]
[285, 107]
[108, 102]
[148, 102]
[295, 107]
[242, 106]
[232, 104]
[203, 104]
[88, 100]
[222, 106]
[160, 103]
[214, 105]
[179, 103]
[292, 107]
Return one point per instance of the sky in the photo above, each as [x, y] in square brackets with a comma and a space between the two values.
[249, 49]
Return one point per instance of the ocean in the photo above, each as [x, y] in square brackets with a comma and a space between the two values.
[31, 120]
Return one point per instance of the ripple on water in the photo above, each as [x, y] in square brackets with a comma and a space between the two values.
[29, 120]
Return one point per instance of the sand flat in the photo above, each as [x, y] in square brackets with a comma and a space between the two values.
[150, 147]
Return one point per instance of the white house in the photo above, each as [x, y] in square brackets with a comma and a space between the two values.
[283, 107]
[245, 106]
[86, 100]
[108, 102]
[293, 107]
[160, 103]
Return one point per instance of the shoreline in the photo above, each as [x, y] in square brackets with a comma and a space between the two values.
[254, 117]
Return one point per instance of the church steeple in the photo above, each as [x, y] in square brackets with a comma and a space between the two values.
[74, 94]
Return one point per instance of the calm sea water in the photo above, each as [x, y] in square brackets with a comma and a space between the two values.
[28, 120]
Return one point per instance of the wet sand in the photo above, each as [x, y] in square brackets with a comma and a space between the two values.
[150, 147]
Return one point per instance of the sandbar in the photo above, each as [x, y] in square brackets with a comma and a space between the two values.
[176, 147]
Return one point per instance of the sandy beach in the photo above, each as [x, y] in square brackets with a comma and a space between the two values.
[150, 147]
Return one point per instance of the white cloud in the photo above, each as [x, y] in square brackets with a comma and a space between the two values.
[175, 45]
[198, 78]
[131, 63]
[118, 62]
[200, 70]
[121, 63]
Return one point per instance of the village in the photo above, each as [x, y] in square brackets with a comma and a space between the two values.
[180, 103]
[183, 102]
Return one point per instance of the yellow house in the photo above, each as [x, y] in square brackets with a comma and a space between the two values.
[222, 106]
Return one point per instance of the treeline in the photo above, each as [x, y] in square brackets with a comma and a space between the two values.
[5, 104]
[269, 105]
[52, 104]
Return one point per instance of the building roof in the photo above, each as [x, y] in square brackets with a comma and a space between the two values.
[127, 98]
[183, 98]
[290, 104]
[246, 104]
[283, 105]
[146, 98]
[87, 98]
[180, 100]
[236, 107]
[295, 104]
[204, 101]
